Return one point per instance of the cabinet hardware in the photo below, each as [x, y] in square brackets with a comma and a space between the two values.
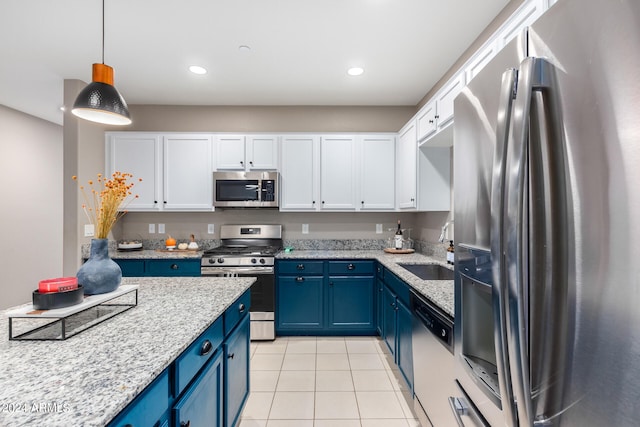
[174, 266]
[351, 267]
[241, 162]
[165, 202]
[251, 163]
[206, 348]
[437, 117]
[430, 121]
[187, 424]
[330, 283]
[300, 266]
[241, 308]
[231, 355]
[299, 279]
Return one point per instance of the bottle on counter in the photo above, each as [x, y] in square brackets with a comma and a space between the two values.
[450, 253]
[397, 240]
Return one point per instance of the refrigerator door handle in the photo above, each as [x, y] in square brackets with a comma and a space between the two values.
[516, 244]
[499, 290]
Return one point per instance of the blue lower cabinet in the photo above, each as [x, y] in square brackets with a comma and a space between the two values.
[389, 321]
[131, 267]
[202, 403]
[379, 305]
[236, 372]
[351, 304]
[404, 356]
[159, 267]
[149, 408]
[299, 303]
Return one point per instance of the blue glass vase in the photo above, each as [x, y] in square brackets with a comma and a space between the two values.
[100, 274]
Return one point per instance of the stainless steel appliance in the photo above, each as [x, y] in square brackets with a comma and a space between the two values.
[432, 342]
[249, 251]
[547, 148]
[245, 189]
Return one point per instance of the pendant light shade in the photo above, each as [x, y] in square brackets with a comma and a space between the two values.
[100, 101]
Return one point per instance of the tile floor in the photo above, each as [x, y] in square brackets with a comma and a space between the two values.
[325, 382]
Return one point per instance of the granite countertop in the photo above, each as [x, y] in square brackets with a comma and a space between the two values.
[440, 292]
[89, 378]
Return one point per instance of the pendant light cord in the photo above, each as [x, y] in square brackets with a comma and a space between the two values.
[103, 31]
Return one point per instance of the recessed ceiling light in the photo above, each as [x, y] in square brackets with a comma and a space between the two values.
[196, 69]
[355, 71]
[244, 48]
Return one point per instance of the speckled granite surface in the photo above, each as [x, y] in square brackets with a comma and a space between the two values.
[89, 378]
[440, 292]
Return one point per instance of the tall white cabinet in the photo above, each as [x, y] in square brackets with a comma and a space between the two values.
[376, 161]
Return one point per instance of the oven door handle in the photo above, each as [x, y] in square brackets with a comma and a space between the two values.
[239, 270]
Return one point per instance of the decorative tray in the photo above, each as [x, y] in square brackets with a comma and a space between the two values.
[27, 323]
[399, 251]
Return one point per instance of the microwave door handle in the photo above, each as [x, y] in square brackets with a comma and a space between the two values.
[499, 288]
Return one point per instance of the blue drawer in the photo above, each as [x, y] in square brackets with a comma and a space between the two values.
[173, 267]
[131, 267]
[398, 286]
[236, 311]
[360, 268]
[150, 405]
[300, 267]
[196, 355]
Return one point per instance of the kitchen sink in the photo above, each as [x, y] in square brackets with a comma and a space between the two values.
[429, 271]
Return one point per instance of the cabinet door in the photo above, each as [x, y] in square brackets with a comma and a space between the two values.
[426, 120]
[150, 406]
[299, 303]
[299, 172]
[230, 152]
[435, 178]
[188, 172]
[262, 152]
[131, 267]
[140, 155]
[236, 373]
[377, 172]
[404, 356]
[351, 303]
[201, 404]
[337, 172]
[444, 99]
[379, 306]
[389, 319]
[406, 167]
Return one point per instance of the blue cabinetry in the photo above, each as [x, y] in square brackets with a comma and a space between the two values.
[325, 297]
[208, 384]
[159, 267]
[397, 323]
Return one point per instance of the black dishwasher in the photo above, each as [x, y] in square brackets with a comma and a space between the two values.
[432, 336]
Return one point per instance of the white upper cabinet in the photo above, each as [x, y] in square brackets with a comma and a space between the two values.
[434, 178]
[246, 152]
[299, 172]
[188, 172]
[437, 114]
[141, 156]
[377, 172]
[337, 172]
[480, 59]
[176, 170]
[406, 167]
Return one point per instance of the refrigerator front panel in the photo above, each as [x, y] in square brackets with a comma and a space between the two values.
[593, 49]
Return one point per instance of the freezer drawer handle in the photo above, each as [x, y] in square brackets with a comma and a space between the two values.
[460, 409]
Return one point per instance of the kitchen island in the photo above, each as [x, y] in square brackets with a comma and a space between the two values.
[91, 377]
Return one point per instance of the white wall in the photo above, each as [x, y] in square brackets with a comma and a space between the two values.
[30, 204]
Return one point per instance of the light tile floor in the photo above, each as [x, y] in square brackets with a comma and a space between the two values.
[325, 382]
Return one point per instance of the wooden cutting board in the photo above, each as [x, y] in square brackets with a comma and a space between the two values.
[399, 251]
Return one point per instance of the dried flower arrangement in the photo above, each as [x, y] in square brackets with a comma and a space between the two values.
[106, 204]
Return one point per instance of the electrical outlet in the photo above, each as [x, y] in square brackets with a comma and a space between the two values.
[211, 228]
[161, 228]
[378, 228]
[305, 228]
[152, 228]
[89, 230]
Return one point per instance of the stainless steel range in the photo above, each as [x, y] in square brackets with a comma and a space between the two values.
[249, 251]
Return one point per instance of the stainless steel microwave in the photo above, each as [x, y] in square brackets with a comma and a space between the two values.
[245, 189]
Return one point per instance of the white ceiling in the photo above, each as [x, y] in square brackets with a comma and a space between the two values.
[300, 49]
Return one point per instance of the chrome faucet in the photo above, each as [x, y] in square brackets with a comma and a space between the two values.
[444, 230]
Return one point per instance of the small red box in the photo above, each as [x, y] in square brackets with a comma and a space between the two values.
[61, 284]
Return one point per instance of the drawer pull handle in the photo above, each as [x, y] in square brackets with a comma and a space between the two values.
[206, 348]
[174, 266]
[231, 355]
[351, 267]
[300, 266]
[299, 279]
[187, 424]
[330, 283]
[241, 308]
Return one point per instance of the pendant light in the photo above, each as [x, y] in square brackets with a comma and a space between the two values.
[100, 101]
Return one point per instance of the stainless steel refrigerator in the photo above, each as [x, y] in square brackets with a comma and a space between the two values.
[547, 212]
